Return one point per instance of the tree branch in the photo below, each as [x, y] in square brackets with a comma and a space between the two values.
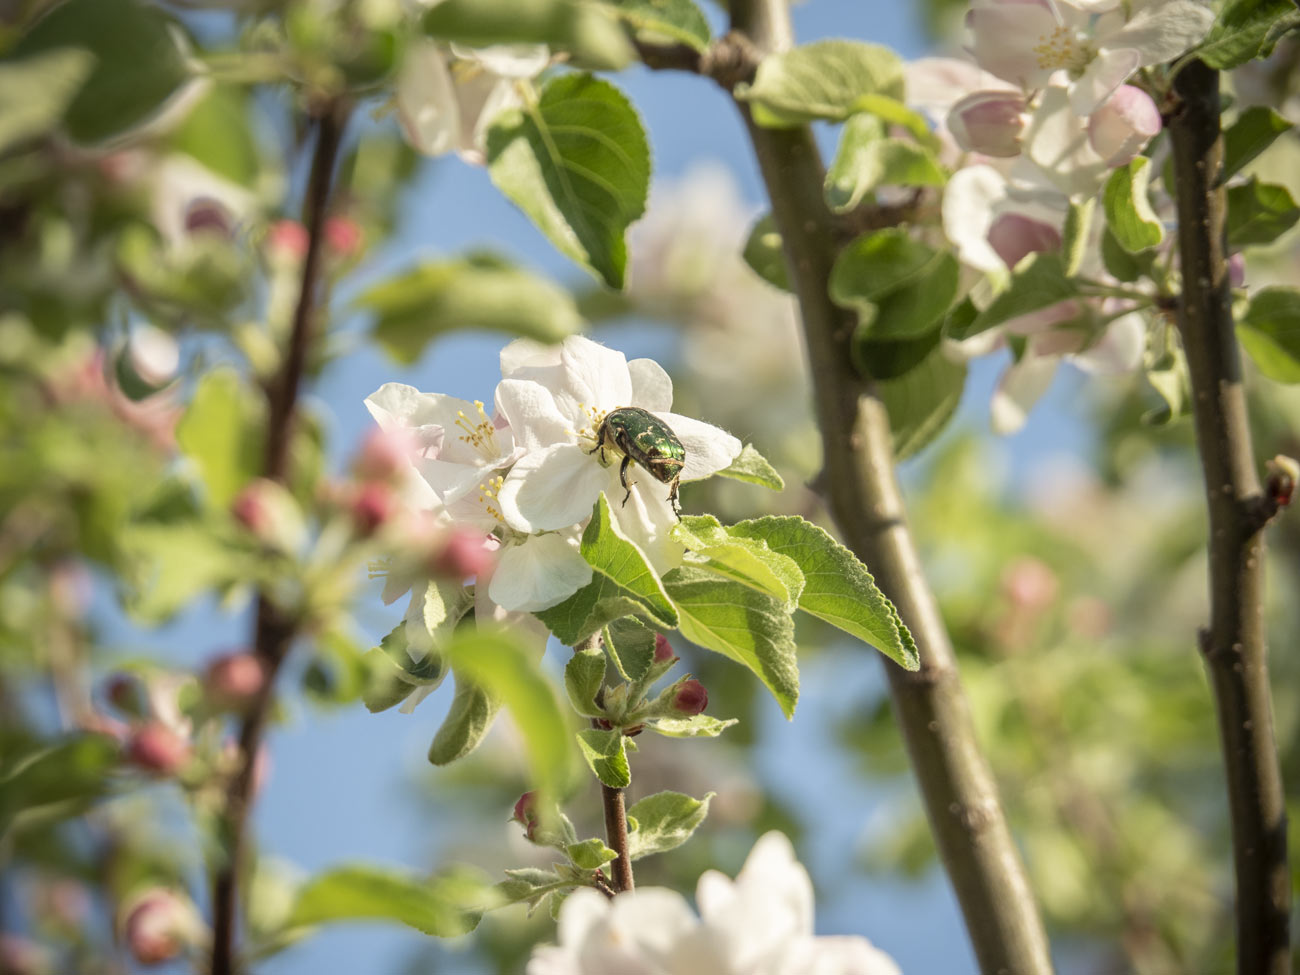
[1234, 643]
[273, 632]
[933, 715]
[612, 800]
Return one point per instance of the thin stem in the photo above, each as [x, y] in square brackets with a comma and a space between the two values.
[616, 832]
[960, 795]
[1233, 644]
[273, 632]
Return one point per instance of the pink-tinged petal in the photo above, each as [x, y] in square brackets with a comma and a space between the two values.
[1163, 30]
[426, 101]
[1106, 72]
[1015, 236]
[1020, 387]
[1123, 125]
[709, 449]
[398, 407]
[552, 488]
[1004, 36]
[989, 122]
[968, 208]
[530, 411]
[1057, 140]
[934, 84]
[652, 388]
[538, 573]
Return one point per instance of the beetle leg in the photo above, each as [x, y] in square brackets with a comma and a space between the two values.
[622, 478]
[672, 498]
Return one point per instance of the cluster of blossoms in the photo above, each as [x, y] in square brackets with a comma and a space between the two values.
[1039, 121]
[759, 924]
[527, 472]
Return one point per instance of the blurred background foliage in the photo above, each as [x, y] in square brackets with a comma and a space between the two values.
[1073, 588]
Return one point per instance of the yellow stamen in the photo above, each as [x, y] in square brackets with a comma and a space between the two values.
[479, 434]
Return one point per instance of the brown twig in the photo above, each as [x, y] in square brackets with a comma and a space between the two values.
[1233, 644]
[616, 831]
[273, 631]
[960, 795]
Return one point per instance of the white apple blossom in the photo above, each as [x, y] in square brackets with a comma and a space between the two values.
[1097, 44]
[556, 484]
[759, 924]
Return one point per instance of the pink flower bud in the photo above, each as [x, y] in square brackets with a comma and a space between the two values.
[343, 236]
[233, 680]
[270, 514]
[206, 216]
[1013, 235]
[251, 509]
[371, 506]
[157, 749]
[1030, 584]
[465, 554]
[989, 122]
[384, 455]
[287, 240]
[526, 814]
[19, 956]
[159, 926]
[1237, 270]
[663, 649]
[1123, 125]
[691, 697]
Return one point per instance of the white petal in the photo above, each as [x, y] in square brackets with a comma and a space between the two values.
[417, 695]
[709, 449]
[530, 410]
[501, 96]
[1057, 140]
[551, 488]
[652, 388]
[1106, 72]
[1119, 349]
[646, 518]
[396, 406]
[508, 60]
[849, 955]
[968, 202]
[580, 915]
[1162, 31]
[594, 376]
[538, 573]
[527, 353]
[654, 918]
[1018, 390]
[426, 100]
[771, 869]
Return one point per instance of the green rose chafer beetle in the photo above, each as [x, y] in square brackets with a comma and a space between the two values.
[644, 438]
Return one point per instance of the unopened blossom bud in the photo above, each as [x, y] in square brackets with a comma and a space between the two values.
[1030, 584]
[1283, 472]
[233, 680]
[989, 122]
[465, 554]
[1014, 235]
[270, 514]
[207, 216]
[159, 926]
[372, 506]
[152, 356]
[157, 749]
[1237, 270]
[691, 697]
[663, 649]
[127, 694]
[1123, 124]
[525, 814]
[384, 455]
[287, 240]
[343, 236]
[19, 956]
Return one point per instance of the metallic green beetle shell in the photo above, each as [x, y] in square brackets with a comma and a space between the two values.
[646, 439]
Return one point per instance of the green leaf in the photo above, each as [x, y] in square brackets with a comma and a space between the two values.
[42, 782]
[890, 359]
[445, 905]
[577, 163]
[1254, 131]
[892, 111]
[590, 854]
[467, 723]
[631, 646]
[1259, 213]
[922, 401]
[588, 33]
[753, 468]
[740, 623]
[899, 287]
[822, 80]
[1038, 282]
[867, 158]
[430, 668]
[623, 584]
[219, 133]
[1246, 29]
[1165, 368]
[532, 885]
[664, 821]
[696, 726]
[604, 752]
[665, 21]
[584, 676]
[839, 589]
[137, 65]
[384, 685]
[512, 674]
[746, 560]
[36, 91]
[172, 564]
[478, 292]
[1270, 333]
[765, 255]
[1075, 236]
[1128, 209]
[221, 432]
[1120, 263]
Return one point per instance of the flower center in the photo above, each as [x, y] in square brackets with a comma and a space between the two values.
[487, 495]
[479, 434]
[1063, 48]
[595, 417]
